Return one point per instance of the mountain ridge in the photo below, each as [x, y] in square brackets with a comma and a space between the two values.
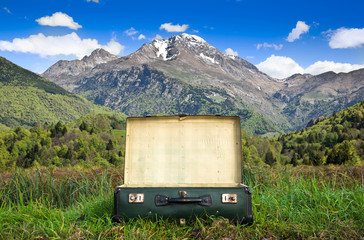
[190, 60]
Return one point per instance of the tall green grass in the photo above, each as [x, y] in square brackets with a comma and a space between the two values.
[25, 187]
[302, 206]
[287, 203]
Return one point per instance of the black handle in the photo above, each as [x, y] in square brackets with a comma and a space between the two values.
[185, 200]
[161, 200]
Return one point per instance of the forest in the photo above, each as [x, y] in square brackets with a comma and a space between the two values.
[337, 139]
[93, 140]
[99, 139]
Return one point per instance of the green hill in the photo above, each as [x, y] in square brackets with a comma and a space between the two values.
[337, 139]
[27, 98]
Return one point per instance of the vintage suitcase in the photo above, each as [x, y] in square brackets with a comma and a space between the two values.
[183, 166]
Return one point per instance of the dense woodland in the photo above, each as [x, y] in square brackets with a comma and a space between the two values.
[98, 140]
[93, 140]
[338, 139]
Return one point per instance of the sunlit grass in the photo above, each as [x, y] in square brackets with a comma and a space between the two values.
[295, 203]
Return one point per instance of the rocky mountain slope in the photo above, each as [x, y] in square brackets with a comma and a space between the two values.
[308, 97]
[27, 98]
[186, 74]
[66, 73]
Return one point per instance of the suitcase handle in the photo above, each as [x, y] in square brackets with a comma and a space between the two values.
[162, 200]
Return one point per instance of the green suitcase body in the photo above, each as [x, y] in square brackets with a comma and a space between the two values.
[184, 207]
[181, 167]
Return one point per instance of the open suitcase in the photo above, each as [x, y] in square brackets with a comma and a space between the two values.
[183, 166]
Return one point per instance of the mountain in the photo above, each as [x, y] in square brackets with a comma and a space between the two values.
[309, 97]
[185, 74]
[65, 73]
[27, 98]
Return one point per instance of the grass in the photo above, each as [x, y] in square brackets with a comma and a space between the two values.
[297, 203]
[301, 204]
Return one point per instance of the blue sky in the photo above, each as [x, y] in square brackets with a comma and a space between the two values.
[279, 37]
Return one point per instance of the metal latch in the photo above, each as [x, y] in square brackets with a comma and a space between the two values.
[136, 197]
[229, 198]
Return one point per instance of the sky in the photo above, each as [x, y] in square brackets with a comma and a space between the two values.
[280, 37]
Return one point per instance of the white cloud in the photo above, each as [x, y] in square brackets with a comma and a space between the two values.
[6, 9]
[301, 28]
[267, 45]
[174, 28]
[113, 47]
[325, 66]
[59, 19]
[141, 36]
[131, 31]
[283, 67]
[279, 66]
[96, 1]
[231, 52]
[346, 38]
[70, 44]
[158, 37]
[207, 27]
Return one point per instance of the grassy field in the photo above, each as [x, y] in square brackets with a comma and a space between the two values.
[296, 203]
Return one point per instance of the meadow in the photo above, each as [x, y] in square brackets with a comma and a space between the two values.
[301, 202]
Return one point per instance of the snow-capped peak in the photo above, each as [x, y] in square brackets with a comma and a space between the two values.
[192, 38]
[170, 49]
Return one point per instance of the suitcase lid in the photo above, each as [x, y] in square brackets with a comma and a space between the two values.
[183, 151]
